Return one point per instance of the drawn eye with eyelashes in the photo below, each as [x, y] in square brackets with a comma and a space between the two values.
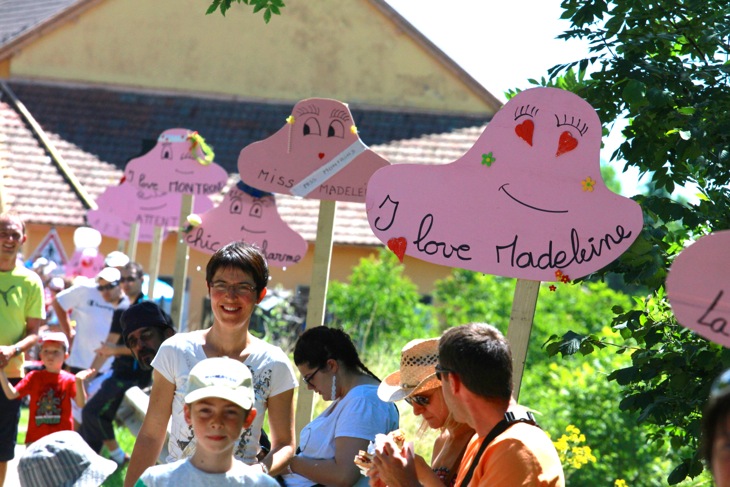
[341, 114]
[578, 124]
[526, 111]
[313, 109]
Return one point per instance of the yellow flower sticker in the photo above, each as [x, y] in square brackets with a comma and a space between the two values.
[588, 184]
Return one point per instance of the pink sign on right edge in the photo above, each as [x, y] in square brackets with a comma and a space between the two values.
[698, 287]
[526, 201]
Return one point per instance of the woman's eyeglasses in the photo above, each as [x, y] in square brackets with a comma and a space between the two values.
[442, 370]
[307, 378]
[420, 400]
[107, 287]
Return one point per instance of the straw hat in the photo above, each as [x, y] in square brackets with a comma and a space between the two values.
[417, 372]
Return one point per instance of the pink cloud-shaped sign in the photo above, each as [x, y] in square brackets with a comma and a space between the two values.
[249, 215]
[526, 200]
[698, 287]
[122, 205]
[317, 154]
[178, 163]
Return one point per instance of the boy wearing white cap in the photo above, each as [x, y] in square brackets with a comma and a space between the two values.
[218, 405]
[50, 389]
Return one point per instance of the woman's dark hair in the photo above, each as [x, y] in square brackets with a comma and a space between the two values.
[319, 344]
[243, 256]
[716, 412]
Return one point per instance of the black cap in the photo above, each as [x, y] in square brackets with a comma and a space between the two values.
[143, 315]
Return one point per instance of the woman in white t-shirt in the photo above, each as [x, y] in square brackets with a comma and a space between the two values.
[330, 365]
[236, 275]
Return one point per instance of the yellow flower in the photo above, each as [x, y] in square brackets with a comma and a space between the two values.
[588, 184]
[194, 220]
[290, 119]
[353, 129]
[620, 483]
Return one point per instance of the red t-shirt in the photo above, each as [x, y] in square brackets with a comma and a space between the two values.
[50, 402]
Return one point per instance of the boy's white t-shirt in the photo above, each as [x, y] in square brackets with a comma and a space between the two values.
[183, 474]
[272, 374]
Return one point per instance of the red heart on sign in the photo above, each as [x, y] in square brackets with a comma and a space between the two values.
[398, 247]
[524, 131]
[566, 143]
[321, 155]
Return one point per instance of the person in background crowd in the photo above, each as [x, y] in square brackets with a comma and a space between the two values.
[51, 389]
[330, 365]
[715, 443]
[21, 314]
[416, 382]
[97, 426]
[218, 406]
[237, 276]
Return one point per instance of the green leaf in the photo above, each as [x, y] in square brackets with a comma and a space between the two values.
[635, 93]
[679, 473]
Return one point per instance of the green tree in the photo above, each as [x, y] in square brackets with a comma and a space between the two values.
[378, 304]
[664, 66]
[269, 7]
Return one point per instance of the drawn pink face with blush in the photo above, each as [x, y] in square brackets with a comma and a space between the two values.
[526, 201]
[122, 205]
[317, 154]
[180, 162]
[249, 215]
[698, 287]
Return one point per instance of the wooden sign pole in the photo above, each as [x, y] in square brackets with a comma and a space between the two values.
[154, 269]
[520, 326]
[317, 298]
[132, 244]
[180, 274]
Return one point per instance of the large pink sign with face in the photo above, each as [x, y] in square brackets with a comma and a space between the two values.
[248, 215]
[526, 201]
[317, 154]
[698, 287]
[124, 204]
[180, 162]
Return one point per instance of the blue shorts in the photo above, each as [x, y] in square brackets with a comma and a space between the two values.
[9, 418]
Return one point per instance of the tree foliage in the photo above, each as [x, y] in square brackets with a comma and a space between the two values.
[269, 7]
[664, 66]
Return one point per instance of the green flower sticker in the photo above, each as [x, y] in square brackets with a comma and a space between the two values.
[488, 159]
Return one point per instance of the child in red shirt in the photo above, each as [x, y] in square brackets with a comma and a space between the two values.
[50, 389]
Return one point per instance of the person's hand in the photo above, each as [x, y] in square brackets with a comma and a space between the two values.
[83, 375]
[106, 349]
[6, 353]
[395, 468]
[374, 477]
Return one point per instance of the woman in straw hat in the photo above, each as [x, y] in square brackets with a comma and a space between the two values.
[416, 382]
[330, 365]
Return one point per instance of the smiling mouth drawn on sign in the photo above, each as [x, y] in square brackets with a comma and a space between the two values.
[502, 188]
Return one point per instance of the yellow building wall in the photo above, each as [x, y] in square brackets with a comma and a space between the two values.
[344, 258]
[326, 48]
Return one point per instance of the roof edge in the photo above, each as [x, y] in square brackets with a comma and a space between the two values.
[440, 55]
[56, 157]
[39, 30]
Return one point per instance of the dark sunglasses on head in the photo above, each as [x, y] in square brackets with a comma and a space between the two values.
[420, 400]
[108, 287]
[442, 371]
[127, 279]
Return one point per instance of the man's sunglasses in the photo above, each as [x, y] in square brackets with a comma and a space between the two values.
[107, 287]
[442, 371]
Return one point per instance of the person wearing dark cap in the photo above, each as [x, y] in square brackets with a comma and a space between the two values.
[715, 442]
[144, 322]
[144, 327]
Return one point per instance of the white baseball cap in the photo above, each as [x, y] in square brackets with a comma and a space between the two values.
[109, 274]
[53, 336]
[116, 259]
[221, 377]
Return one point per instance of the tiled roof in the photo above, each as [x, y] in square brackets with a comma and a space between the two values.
[98, 130]
[20, 16]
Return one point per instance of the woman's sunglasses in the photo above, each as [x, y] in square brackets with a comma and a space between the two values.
[420, 400]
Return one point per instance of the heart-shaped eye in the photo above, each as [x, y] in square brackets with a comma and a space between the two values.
[566, 143]
[525, 130]
[398, 247]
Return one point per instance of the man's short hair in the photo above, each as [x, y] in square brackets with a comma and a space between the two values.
[13, 215]
[134, 268]
[480, 355]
